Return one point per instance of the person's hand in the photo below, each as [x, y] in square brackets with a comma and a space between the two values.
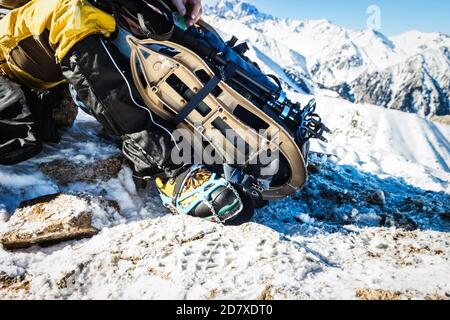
[191, 9]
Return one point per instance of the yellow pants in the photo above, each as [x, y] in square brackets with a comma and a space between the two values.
[66, 21]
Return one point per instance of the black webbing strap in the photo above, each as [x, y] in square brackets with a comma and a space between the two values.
[196, 100]
[228, 72]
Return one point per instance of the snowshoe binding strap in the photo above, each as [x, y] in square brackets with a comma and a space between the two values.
[311, 125]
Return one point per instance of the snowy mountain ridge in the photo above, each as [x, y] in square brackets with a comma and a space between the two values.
[322, 55]
[419, 85]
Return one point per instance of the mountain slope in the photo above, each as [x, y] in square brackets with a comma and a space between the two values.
[320, 54]
[419, 85]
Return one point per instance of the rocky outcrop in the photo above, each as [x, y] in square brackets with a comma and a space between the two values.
[54, 218]
[443, 119]
[419, 85]
[66, 171]
[66, 112]
[370, 201]
[301, 80]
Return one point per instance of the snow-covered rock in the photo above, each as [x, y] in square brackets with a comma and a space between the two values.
[66, 171]
[56, 218]
[378, 198]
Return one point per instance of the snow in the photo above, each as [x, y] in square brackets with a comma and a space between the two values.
[324, 249]
[388, 142]
[138, 261]
[326, 242]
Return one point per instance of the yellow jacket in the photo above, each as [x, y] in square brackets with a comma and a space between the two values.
[67, 21]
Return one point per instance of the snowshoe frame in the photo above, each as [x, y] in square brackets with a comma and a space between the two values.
[152, 69]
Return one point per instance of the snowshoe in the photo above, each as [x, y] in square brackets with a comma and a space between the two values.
[194, 80]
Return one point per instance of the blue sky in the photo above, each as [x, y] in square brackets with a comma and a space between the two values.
[397, 16]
